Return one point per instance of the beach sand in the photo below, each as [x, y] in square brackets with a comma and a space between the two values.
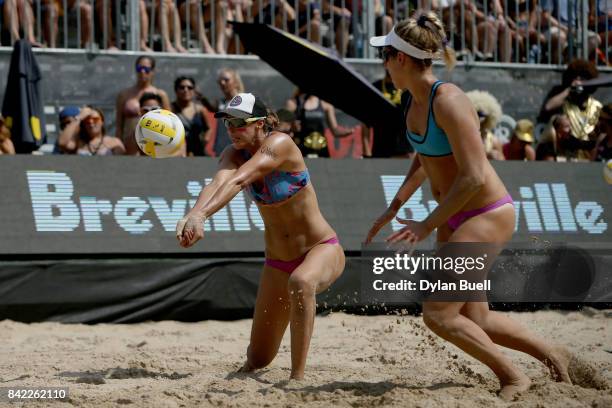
[354, 361]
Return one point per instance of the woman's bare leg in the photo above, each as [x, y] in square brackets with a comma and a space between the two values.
[144, 27]
[164, 25]
[176, 28]
[322, 266]
[509, 333]
[453, 321]
[499, 327]
[269, 320]
[11, 19]
[444, 319]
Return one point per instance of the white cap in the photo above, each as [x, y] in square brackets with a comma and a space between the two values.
[395, 41]
[243, 106]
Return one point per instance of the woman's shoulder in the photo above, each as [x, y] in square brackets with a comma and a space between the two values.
[278, 138]
[450, 97]
[448, 89]
[112, 141]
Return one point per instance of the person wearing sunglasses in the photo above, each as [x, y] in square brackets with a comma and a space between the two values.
[86, 135]
[474, 205]
[230, 84]
[127, 107]
[303, 255]
[192, 113]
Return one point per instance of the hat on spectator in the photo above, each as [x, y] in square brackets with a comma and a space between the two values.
[69, 112]
[524, 130]
[243, 106]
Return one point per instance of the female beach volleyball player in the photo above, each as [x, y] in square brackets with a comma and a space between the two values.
[303, 255]
[474, 205]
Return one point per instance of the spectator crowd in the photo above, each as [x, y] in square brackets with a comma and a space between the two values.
[576, 125]
[522, 31]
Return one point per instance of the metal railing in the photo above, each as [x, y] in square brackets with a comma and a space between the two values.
[517, 31]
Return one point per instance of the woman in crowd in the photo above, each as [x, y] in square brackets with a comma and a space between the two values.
[193, 115]
[86, 136]
[127, 108]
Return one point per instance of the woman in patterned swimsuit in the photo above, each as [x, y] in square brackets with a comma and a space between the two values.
[303, 255]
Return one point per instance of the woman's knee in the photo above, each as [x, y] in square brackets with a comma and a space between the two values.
[439, 319]
[258, 359]
[300, 286]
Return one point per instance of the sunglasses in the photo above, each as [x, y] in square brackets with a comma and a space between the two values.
[149, 108]
[236, 123]
[187, 87]
[142, 68]
[386, 53]
[91, 119]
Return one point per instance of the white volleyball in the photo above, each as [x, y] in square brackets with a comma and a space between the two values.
[160, 133]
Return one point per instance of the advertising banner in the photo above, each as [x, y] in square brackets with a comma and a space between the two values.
[126, 205]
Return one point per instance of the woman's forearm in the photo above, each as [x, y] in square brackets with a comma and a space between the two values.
[557, 100]
[464, 188]
[415, 177]
[204, 197]
[219, 199]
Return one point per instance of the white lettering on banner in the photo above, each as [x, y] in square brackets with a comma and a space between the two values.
[543, 206]
[555, 212]
[52, 203]
[55, 209]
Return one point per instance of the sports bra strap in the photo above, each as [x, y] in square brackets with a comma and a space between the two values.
[434, 88]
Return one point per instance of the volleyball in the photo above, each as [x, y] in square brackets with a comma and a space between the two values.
[160, 133]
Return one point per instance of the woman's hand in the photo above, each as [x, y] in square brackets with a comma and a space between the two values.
[85, 112]
[383, 220]
[189, 230]
[414, 231]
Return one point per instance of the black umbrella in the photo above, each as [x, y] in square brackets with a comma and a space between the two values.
[602, 81]
[318, 71]
[23, 107]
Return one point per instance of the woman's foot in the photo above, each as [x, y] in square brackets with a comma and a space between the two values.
[169, 48]
[246, 368]
[296, 376]
[558, 361]
[514, 386]
[207, 49]
[144, 47]
[181, 49]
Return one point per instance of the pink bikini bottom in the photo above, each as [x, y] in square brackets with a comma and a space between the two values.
[456, 220]
[289, 266]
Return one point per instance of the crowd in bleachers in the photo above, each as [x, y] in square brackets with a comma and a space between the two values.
[523, 31]
[577, 126]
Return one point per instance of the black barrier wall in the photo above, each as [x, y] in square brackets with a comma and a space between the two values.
[123, 205]
[103, 208]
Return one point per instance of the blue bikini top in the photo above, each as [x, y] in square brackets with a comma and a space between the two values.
[435, 141]
[278, 185]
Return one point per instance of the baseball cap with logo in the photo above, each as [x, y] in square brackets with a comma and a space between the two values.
[524, 130]
[243, 106]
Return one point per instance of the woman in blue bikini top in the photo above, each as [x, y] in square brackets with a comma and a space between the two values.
[303, 255]
[474, 205]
